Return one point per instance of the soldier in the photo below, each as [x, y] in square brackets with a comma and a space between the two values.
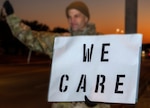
[78, 18]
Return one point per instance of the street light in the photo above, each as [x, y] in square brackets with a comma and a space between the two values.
[119, 31]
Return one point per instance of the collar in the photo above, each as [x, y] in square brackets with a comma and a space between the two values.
[89, 30]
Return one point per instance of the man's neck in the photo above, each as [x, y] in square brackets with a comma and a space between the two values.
[88, 30]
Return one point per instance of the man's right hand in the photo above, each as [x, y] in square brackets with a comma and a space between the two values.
[8, 8]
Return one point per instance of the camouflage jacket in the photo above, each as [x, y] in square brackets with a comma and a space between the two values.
[39, 41]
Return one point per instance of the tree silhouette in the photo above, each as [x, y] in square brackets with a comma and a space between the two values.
[59, 30]
[8, 42]
[35, 25]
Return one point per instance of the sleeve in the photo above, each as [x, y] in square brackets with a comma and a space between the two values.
[36, 41]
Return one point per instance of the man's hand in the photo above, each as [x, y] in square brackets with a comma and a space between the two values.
[8, 8]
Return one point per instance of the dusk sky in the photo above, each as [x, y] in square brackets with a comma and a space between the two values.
[108, 15]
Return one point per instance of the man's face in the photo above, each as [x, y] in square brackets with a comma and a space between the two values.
[77, 20]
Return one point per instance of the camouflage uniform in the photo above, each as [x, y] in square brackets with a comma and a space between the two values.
[43, 42]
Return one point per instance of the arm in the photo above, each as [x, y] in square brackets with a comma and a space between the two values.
[37, 41]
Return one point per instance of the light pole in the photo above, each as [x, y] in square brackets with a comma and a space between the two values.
[131, 16]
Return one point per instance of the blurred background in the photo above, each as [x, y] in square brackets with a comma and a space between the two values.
[25, 74]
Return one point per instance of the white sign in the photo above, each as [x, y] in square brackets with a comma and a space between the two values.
[104, 68]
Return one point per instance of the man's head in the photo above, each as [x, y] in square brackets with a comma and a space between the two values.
[78, 15]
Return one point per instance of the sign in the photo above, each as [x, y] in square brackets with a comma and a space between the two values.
[104, 68]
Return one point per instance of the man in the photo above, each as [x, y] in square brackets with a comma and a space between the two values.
[78, 18]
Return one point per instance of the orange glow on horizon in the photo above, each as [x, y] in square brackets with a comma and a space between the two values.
[108, 15]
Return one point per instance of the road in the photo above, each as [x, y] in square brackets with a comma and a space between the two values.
[144, 89]
[26, 86]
